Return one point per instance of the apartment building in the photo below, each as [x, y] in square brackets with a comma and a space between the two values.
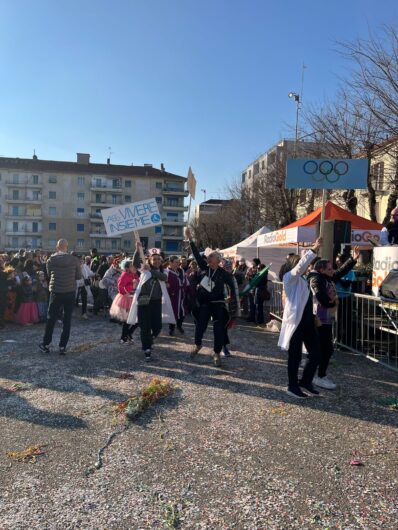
[42, 201]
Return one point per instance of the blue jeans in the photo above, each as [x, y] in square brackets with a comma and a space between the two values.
[58, 301]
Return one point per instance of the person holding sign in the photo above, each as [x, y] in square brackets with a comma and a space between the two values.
[210, 300]
[151, 303]
[298, 324]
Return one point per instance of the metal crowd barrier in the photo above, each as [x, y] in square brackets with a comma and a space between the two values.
[365, 324]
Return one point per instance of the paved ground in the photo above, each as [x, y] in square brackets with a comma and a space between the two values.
[229, 451]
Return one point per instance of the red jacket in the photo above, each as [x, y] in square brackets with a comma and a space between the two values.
[125, 282]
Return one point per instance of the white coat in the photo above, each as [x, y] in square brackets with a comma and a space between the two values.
[167, 309]
[297, 293]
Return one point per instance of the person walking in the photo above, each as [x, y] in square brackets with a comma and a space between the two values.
[63, 270]
[177, 286]
[298, 324]
[210, 300]
[120, 308]
[151, 303]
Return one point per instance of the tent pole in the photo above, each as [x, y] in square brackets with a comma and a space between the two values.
[322, 226]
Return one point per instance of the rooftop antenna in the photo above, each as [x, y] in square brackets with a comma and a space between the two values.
[204, 194]
[110, 153]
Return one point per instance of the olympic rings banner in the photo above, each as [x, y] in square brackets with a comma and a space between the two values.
[325, 173]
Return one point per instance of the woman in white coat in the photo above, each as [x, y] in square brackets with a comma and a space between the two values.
[298, 324]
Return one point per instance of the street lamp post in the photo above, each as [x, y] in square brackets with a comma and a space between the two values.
[297, 100]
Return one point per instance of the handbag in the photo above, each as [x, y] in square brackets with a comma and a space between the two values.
[144, 299]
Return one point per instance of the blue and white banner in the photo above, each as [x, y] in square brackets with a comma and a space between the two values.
[327, 173]
[130, 217]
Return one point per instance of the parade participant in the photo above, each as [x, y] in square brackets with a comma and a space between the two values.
[41, 295]
[177, 287]
[27, 313]
[325, 302]
[251, 272]
[239, 273]
[83, 285]
[3, 292]
[110, 279]
[184, 264]
[151, 303]
[389, 234]
[63, 269]
[227, 266]
[298, 324]
[13, 289]
[210, 299]
[120, 308]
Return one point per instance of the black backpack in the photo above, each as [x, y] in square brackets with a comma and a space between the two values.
[389, 286]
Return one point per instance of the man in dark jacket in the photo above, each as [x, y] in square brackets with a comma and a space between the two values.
[211, 299]
[324, 294]
[63, 270]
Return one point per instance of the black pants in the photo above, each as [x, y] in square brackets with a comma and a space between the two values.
[220, 318]
[325, 333]
[150, 322]
[3, 307]
[82, 293]
[305, 333]
[57, 302]
[128, 330]
[179, 322]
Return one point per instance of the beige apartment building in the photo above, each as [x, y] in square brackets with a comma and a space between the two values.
[42, 201]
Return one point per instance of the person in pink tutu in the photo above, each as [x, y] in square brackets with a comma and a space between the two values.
[27, 313]
[126, 285]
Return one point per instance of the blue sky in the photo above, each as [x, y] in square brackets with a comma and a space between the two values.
[183, 82]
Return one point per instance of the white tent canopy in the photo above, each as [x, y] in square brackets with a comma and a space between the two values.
[248, 245]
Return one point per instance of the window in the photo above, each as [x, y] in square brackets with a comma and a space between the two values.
[159, 185]
[80, 243]
[80, 196]
[52, 243]
[172, 201]
[15, 194]
[52, 211]
[52, 179]
[127, 198]
[114, 198]
[171, 246]
[15, 211]
[35, 227]
[80, 227]
[158, 229]
[159, 200]
[377, 173]
[114, 244]
[256, 168]
[15, 178]
[98, 183]
[243, 177]
[35, 179]
[97, 243]
[158, 244]
[172, 216]
[14, 242]
[36, 196]
[15, 227]
[262, 164]
[127, 183]
[35, 242]
[80, 182]
[127, 243]
[98, 197]
[116, 183]
[52, 194]
[80, 212]
[52, 227]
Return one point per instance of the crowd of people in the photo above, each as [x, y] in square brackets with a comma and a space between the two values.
[145, 292]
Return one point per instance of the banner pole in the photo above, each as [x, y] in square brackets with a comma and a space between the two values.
[137, 238]
[323, 211]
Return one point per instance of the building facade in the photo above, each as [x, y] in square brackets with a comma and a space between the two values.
[42, 201]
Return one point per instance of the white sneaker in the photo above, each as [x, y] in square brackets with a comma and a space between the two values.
[324, 382]
[85, 316]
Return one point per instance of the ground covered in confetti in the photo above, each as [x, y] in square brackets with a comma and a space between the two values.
[225, 448]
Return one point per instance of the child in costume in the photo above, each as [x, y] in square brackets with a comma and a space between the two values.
[27, 313]
[41, 295]
[127, 284]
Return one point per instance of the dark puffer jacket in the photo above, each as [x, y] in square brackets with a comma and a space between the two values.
[63, 270]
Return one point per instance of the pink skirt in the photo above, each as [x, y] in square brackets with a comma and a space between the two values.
[27, 313]
[120, 307]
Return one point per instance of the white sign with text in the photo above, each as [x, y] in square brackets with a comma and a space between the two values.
[130, 217]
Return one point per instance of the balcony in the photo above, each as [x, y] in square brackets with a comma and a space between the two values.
[113, 189]
[24, 215]
[98, 235]
[179, 208]
[168, 190]
[22, 200]
[26, 183]
[96, 216]
[23, 232]
[105, 203]
[173, 237]
[173, 222]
